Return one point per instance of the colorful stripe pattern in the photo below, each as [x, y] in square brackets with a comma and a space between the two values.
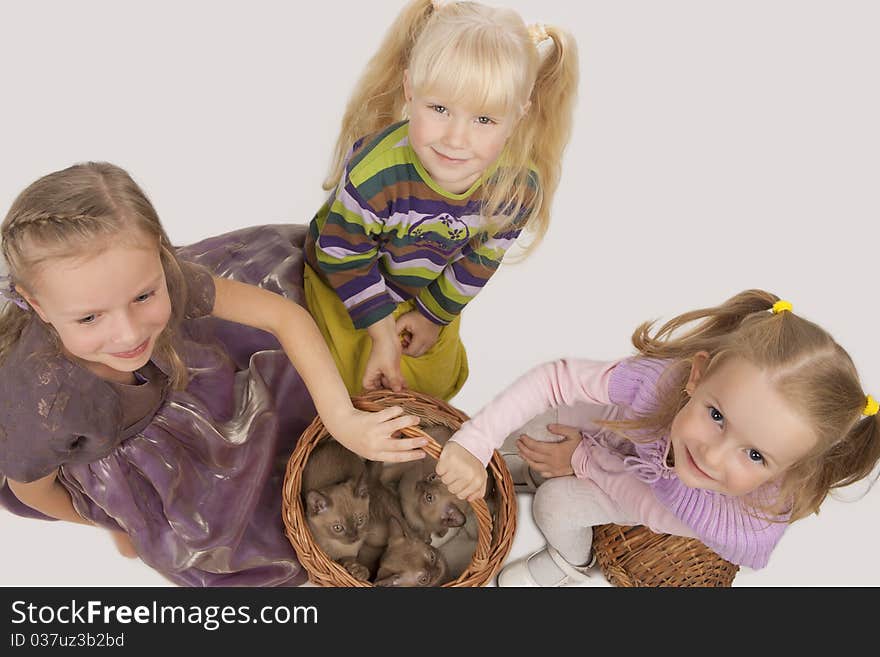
[387, 234]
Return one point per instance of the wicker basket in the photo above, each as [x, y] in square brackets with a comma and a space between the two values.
[495, 533]
[636, 556]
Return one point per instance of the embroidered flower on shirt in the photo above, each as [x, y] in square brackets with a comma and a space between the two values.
[442, 233]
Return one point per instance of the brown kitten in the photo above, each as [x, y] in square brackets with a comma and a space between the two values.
[409, 562]
[384, 505]
[428, 506]
[337, 501]
[438, 516]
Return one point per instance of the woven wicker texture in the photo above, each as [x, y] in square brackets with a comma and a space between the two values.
[495, 534]
[636, 556]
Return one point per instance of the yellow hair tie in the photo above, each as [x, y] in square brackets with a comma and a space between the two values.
[781, 305]
[871, 406]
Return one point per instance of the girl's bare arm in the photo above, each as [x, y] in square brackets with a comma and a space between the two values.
[47, 496]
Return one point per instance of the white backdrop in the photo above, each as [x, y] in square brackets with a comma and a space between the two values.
[717, 146]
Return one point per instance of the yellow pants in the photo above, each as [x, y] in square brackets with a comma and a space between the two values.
[439, 372]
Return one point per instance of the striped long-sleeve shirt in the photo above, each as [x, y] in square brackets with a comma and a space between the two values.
[389, 233]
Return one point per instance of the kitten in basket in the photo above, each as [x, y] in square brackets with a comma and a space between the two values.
[435, 514]
[409, 561]
[394, 554]
[336, 497]
[357, 521]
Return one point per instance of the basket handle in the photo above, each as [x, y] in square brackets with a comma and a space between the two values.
[481, 509]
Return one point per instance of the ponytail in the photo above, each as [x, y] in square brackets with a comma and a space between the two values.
[846, 462]
[719, 321]
[545, 130]
[378, 98]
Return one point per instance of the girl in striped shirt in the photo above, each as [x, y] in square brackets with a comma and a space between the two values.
[450, 146]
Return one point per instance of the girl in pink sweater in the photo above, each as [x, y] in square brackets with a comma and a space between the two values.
[726, 430]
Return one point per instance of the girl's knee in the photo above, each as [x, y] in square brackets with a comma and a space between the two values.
[551, 499]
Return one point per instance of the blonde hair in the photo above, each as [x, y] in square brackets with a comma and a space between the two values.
[77, 211]
[489, 57]
[811, 371]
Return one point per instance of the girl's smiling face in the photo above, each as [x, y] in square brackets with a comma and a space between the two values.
[455, 143]
[108, 308]
[736, 432]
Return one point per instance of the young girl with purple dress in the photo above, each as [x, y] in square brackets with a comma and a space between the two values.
[158, 392]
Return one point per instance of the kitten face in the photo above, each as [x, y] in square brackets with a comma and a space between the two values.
[427, 503]
[410, 562]
[337, 516]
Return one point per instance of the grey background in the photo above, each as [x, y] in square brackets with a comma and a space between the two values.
[717, 146]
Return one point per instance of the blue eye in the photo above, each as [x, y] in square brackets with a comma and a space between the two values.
[755, 456]
[716, 415]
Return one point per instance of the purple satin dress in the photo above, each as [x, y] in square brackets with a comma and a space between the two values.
[197, 482]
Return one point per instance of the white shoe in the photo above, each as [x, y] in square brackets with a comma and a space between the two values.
[546, 567]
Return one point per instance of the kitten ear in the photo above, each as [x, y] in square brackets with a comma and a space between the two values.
[316, 503]
[452, 516]
[361, 488]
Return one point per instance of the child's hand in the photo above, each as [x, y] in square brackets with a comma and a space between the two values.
[383, 365]
[550, 459]
[462, 472]
[371, 435]
[418, 333]
[124, 544]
